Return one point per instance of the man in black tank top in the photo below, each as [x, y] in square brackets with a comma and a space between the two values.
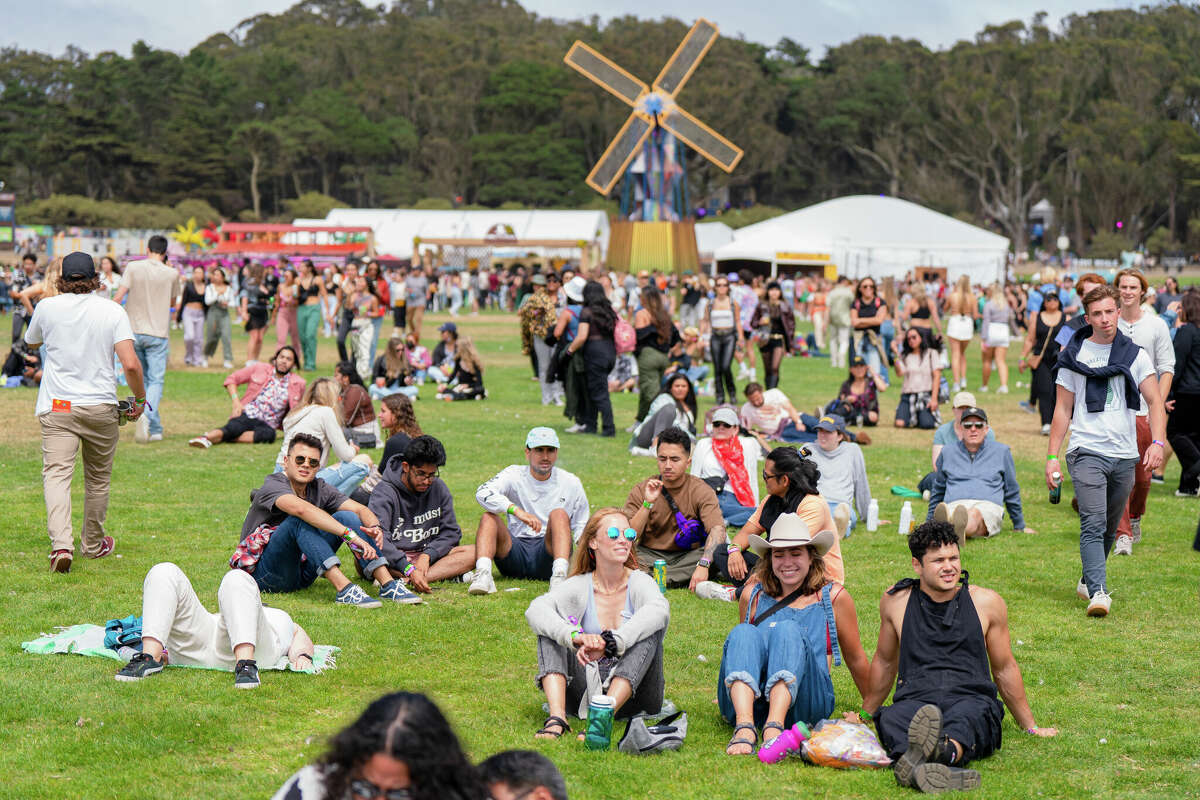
[943, 644]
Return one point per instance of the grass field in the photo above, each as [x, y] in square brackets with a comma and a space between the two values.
[1122, 690]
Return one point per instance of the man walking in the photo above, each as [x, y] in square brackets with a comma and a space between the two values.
[77, 402]
[150, 285]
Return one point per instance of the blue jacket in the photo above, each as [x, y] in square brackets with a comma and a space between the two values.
[989, 475]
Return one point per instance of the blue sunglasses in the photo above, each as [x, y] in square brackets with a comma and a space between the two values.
[614, 532]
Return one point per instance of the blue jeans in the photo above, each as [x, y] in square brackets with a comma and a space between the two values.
[789, 432]
[377, 326]
[1102, 485]
[380, 392]
[833, 504]
[734, 512]
[280, 568]
[344, 476]
[152, 351]
[762, 656]
[697, 373]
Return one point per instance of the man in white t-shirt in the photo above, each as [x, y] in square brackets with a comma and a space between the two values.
[1103, 379]
[533, 513]
[151, 285]
[77, 403]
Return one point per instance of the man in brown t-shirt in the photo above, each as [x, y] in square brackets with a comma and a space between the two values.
[688, 553]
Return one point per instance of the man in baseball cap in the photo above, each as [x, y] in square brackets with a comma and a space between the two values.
[843, 474]
[948, 433]
[532, 514]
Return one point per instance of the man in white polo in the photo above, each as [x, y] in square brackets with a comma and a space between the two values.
[533, 513]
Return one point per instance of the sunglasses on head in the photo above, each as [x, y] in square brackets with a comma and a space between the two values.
[314, 461]
[363, 789]
[614, 532]
[971, 426]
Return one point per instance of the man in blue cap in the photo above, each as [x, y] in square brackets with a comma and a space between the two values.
[533, 513]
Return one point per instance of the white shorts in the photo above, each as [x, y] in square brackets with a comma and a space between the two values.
[960, 327]
[995, 335]
[992, 514]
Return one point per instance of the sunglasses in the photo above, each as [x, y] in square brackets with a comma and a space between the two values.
[363, 789]
[973, 426]
[630, 533]
[766, 476]
[314, 461]
[722, 425]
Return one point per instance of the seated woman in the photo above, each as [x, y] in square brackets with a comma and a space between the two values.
[392, 373]
[616, 646]
[419, 359]
[401, 427]
[401, 746]
[466, 382]
[729, 464]
[920, 364]
[624, 375]
[674, 407]
[858, 399]
[357, 410]
[777, 675]
[320, 414]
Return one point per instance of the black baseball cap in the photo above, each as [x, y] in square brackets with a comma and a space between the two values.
[78, 265]
[857, 361]
[974, 411]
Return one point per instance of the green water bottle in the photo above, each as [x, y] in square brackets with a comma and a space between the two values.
[1056, 492]
[601, 709]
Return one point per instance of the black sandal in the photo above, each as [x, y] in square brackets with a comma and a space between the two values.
[776, 725]
[742, 739]
[556, 722]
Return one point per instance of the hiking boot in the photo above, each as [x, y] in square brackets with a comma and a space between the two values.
[353, 595]
[711, 590]
[1123, 547]
[397, 592]
[245, 674]
[107, 545]
[932, 778]
[841, 520]
[60, 561]
[483, 583]
[140, 666]
[1100, 604]
[923, 733]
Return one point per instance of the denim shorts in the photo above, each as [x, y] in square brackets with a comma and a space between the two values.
[528, 558]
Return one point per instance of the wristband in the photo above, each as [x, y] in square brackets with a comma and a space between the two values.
[863, 714]
[1160, 444]
[408, 570]
[1052, 458]
[704, 562]
[141, 401]
[347, 535]
[511, 509]
[732, 548]
[1031, 731]
[647, 504]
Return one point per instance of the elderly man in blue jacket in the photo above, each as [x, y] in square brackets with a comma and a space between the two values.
[975, 482]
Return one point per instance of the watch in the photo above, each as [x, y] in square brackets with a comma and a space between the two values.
[704, 562]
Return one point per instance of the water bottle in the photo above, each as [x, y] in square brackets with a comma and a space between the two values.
[873, 515]
[1056, 492]
[906, 518]
[601, 709]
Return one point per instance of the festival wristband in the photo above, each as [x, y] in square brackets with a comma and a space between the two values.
[511, 510]
[647, 504]
[732, 548]
[1031, 731]
[1052, 458]
[1160, 444]
[409, 569]
[863, 714]
[347, 535]
[141, 401]
[704, 562]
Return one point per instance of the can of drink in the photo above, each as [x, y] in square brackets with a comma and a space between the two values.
[1056, 492]
[601, 709]
[660, 574]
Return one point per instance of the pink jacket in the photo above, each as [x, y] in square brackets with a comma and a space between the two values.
[257, 375]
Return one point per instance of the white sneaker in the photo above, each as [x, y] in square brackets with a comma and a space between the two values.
[1002, 390]
[631, 428]
[154, 437]
[1184, 494]
[1081, 590]
[1100, 604]
[204, 362]
[1123, 547]
[983, 389]
[141, 433]
[1046, 429]
[467, 576]
[483, 584]
[201, 442]
[841, 520]
[555, 580]
[576, 428]
[227, 364]
[1135, 527]
[711, 590]
[642, 451]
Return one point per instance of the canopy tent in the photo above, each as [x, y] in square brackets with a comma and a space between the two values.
[869, 235]
[710, 236]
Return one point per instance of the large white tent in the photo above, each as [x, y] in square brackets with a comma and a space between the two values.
[870, 235]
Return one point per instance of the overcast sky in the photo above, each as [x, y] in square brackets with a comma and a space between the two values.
[51, 25]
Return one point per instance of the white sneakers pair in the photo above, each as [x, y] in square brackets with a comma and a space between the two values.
[482, 582]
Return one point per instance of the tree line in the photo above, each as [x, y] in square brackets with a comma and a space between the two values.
[467, 102]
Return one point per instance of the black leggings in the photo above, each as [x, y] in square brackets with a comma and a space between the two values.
[772, 352]
[345, 320]
[722, 344]
[1045, 391]
[1183, 432]
[599, 358]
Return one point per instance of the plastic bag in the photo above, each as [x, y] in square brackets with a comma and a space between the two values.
[841, 744]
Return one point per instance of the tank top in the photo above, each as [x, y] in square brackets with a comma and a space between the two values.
[721, 318]
[816, 620]
[573, 312]
[922, 312]
[1050, 359]
[591, 620]
[313, 290]
[190, 295]
[942, 651]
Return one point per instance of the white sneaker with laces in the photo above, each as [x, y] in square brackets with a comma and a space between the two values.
[711, 590]
[483, 584]
[1100, 604]
[1123, 547]
[1081, 590]
[641, 451]
[201, 442]
[576, 428]
[1135, 527]
[1002, 390]
[1046, 429]
[154, 437]
[467, 576]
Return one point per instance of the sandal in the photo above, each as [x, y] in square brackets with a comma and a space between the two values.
[553, 728]
[742, 739]
[776, 725]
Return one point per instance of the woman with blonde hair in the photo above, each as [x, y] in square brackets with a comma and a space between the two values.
[996, 329]
[466, 382]
[601, 630]
[962, 308]
[320, 414]
[46, 287]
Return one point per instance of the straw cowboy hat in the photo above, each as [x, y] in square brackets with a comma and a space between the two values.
[790, 531]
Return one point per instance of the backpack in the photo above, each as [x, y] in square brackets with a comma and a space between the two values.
[624, 336]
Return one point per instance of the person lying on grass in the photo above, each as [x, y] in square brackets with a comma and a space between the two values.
[775, 673]
[601, 630]
[949, 645]
[176, 625]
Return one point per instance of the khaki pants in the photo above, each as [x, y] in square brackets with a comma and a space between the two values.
[680, 563]
[95, 427]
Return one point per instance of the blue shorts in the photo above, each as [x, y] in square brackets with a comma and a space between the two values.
[528, 558]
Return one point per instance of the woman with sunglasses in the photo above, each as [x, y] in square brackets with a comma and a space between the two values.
[401, 748]
[722, 316]
[868, 312]
[920, 365]
[601, 630]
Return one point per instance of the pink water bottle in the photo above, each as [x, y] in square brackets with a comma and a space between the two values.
[784, 745]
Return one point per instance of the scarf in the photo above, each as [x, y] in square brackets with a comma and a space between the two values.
[732, 459]
[1122, 355]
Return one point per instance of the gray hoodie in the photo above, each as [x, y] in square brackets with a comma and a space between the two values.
[843, 476]
[413, 523]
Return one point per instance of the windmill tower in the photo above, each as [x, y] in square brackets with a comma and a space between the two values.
[648, 153]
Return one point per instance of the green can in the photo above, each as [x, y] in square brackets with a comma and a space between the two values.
[601, 709]
[660, 574]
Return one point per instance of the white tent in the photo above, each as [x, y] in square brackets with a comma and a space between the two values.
[710, 236]
[870, 235]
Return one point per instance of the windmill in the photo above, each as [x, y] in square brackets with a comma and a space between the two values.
[646, 152]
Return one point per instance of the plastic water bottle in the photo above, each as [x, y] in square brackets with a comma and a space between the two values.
[873, 515]
[906, 518]
[601, 709]
[1056, 492]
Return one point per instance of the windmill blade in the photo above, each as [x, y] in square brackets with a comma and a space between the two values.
[604, 73]
[687, 57]
[701, 138]
[620, 152]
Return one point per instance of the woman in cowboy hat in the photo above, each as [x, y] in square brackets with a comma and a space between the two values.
[796, 625]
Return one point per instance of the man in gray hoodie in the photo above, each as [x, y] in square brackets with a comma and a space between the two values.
[416, 511]
[843, 482]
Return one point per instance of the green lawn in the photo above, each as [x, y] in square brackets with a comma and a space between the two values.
[1122, 690]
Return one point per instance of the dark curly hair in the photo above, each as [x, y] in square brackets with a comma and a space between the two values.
[425, 450]
[930, 536]
[410, 728]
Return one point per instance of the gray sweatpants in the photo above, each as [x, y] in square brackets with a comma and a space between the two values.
[1102, 485]
[641, 664]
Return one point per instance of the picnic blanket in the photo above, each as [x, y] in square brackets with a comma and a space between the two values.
[88, 640]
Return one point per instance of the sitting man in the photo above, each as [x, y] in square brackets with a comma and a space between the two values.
[948, 433]
[770, 416]
[271, 391]
[174, 622]
[948, 644]
[974, 476]
[532, 513]
[525, 774]
[843, 480]
[676, 515]
[295, 525]
[421, 533]
[729, 463]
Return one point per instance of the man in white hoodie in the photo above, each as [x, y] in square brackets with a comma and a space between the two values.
[843, 481]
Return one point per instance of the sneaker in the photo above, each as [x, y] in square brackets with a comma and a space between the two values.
[353, 595]
[1002, 390]
[941, 513]
[959, 520]
[933, 778]
[1099, 605]
[1081, 590]
[154, 437]
[397, 592]
[1046, 429]
[60, 561]
[107, 545]
[467, 576]
[1181, 493]
[1157, 478]
[984, 388]
[711, 590]
[631, 428]
[784, 745]
[641, 451]
[245, 674]
[141, 432]
[483, 584]
[140, 666]
[555, 580]
[576, 428]
[1123, 547]
[203, 363]
[924, 731]
[841, 519]
[1135, 528]
[1024, 405]
[200, 441]
[227, 364]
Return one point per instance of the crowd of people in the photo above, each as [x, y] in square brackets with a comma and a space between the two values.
[1103, 360]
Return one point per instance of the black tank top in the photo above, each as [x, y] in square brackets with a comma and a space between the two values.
[1041, 331]
[942, 651]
